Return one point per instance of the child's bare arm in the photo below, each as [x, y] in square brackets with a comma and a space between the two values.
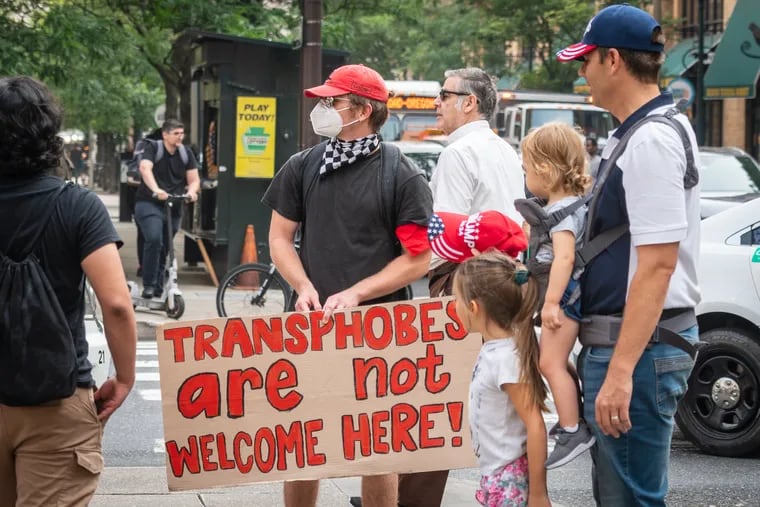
[530, 414]
[563, 244]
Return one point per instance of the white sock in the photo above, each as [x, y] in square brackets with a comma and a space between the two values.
[570, 429]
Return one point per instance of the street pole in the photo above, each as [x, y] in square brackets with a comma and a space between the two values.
[311, 65]
[700, 102]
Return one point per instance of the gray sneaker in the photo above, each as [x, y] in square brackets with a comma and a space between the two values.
[569, 445]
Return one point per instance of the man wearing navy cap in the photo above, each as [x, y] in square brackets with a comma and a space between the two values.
[632, 377]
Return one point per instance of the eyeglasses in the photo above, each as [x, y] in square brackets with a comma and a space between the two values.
[444, 93]
[328, 101]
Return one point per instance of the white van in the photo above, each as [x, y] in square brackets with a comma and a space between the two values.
[519, 119]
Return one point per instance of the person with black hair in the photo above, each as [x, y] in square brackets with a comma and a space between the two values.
[165, 168]
[594, 158]
[51, 452]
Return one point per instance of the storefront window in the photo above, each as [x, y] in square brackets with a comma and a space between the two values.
[690, 17]
[714, 115]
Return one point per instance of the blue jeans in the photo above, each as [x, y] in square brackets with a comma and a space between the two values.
[151, 219]
[632, 470]
[571, 300]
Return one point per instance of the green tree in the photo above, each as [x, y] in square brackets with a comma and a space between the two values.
[19, 23]
[409, 39]
[543, 27]
[163, 33]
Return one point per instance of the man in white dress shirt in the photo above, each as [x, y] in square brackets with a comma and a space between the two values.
[477, 171]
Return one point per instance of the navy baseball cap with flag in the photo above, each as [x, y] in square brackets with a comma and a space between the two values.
[619, 26]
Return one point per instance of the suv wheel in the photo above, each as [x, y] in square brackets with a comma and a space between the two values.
[720, 412]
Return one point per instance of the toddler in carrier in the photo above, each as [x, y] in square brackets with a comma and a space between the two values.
[555, 164]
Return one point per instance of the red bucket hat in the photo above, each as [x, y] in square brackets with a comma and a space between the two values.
[452, 236]
[356, 79]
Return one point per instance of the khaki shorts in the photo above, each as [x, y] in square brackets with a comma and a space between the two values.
[50, 455]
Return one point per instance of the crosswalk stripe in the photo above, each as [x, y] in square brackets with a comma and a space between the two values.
[150, 394]
[149, 376]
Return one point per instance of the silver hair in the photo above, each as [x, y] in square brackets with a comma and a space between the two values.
[477, 82]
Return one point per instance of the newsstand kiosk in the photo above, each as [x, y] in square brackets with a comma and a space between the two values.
[245, 122]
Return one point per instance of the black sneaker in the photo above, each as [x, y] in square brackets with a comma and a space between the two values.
[148, 292]
[570, 445]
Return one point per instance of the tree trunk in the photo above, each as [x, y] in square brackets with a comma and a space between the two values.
[107, 163]
[172, 100]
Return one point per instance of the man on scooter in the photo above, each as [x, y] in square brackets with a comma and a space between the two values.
[166, 168]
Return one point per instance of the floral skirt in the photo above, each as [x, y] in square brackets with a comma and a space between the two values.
[507, 487]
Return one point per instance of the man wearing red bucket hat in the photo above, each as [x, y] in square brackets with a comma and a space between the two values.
[635, 368]
[362, 208]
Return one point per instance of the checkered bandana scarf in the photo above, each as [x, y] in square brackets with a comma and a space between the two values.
[342, 153]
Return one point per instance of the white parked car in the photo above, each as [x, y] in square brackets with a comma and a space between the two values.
[423, 153]
[728, 178]
[721, 410]
[99, 354]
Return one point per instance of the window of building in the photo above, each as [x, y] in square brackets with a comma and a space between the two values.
[690, 17]
[714, 117]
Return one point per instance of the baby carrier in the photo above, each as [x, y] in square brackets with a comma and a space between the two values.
[541, 223]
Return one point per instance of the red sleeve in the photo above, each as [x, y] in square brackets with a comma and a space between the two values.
[413, 237]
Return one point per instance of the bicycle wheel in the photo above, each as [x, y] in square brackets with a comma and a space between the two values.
[252, 290]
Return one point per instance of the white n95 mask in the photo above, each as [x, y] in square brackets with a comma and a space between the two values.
[326, 121]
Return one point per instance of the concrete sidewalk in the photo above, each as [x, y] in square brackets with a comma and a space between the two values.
[146, 486]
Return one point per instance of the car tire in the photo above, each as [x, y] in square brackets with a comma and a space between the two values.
[720, 412]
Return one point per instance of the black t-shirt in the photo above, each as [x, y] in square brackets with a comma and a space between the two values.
[345, 237]
[79, 225]
[169, 172]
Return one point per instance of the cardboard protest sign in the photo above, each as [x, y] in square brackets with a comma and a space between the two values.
[378, 389]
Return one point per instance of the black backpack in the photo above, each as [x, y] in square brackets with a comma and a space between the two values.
[390, 158]
[38, 360]
[133, 166]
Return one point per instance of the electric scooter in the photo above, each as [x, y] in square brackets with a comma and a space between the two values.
[170, 300]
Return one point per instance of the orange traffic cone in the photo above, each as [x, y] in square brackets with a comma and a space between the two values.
[249, 279]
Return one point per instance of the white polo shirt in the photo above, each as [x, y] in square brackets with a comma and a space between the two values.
[647, 184]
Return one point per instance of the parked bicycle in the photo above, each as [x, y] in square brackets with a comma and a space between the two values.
[253, 289]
